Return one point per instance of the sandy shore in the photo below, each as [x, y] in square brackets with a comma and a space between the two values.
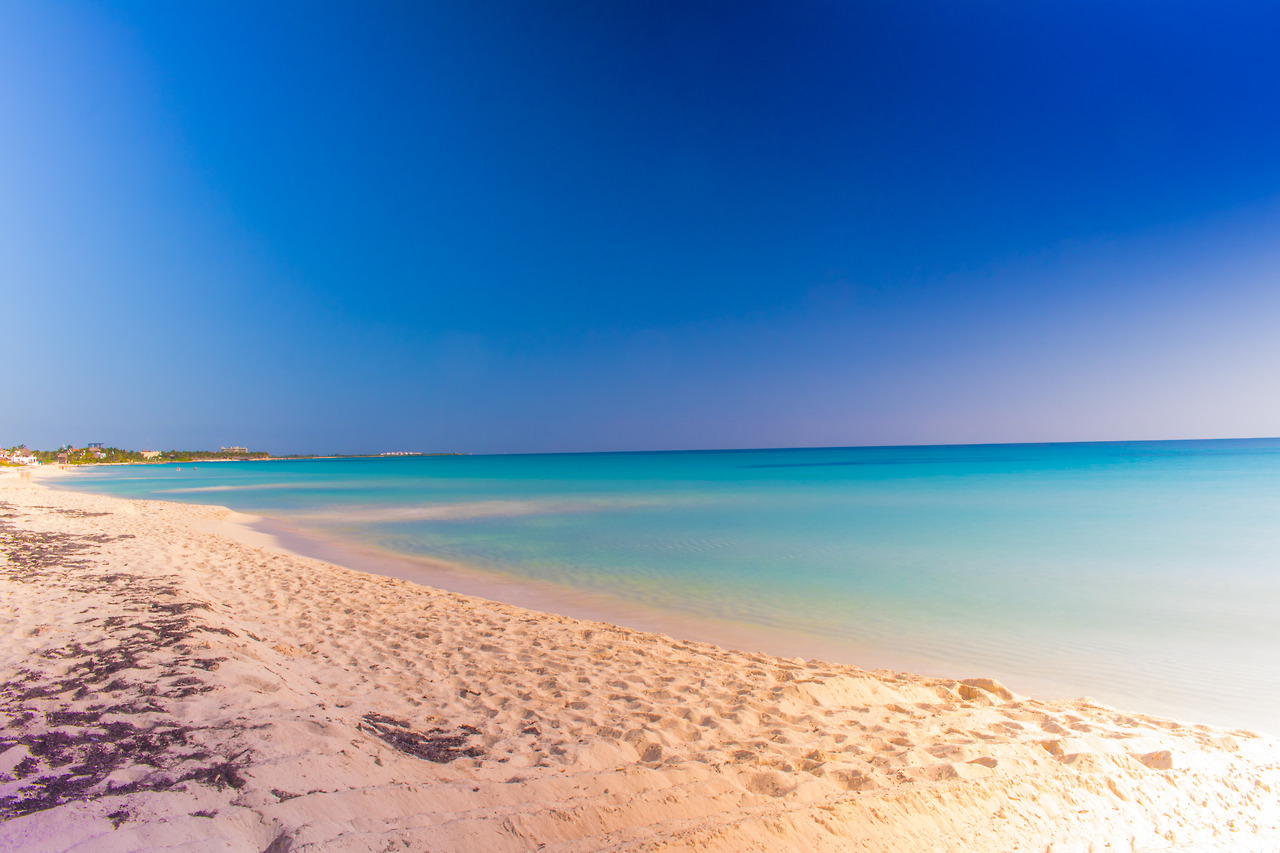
[168, 687]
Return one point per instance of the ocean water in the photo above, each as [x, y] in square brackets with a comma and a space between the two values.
[1145, 575]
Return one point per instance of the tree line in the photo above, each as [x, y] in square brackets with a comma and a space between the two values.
[117, 455]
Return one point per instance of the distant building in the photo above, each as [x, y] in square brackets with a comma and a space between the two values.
[150, 454]
[94, 445]
[235, 450]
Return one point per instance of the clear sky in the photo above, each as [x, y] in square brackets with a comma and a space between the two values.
[529, 226]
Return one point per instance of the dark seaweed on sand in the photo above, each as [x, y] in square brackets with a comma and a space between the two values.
[435, 745]
[70, 753]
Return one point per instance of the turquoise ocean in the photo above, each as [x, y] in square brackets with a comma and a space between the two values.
[1144, 575]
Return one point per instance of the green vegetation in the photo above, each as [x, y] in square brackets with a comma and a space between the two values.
[116, 455]
[208, 455]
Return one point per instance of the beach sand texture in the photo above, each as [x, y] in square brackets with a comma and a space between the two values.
[169, 687]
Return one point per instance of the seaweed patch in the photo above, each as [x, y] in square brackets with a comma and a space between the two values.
[124, 690]
[435, 744]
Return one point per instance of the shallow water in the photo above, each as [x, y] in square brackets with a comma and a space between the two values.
[1142, 574]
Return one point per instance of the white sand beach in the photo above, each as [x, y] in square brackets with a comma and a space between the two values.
[167, 687]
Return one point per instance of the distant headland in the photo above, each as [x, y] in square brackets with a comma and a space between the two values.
[98, 454]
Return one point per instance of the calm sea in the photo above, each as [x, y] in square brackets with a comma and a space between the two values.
[1142, 574]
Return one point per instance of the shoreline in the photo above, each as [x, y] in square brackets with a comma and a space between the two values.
[204, 690]
[287, 537]
[1075, 672]
[555, 599]
[559, 600]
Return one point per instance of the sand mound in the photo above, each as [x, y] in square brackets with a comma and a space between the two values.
[168, 688]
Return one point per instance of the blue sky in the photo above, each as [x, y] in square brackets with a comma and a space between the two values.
[508, 227]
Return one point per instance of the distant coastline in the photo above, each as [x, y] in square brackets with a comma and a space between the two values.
[98, 454]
